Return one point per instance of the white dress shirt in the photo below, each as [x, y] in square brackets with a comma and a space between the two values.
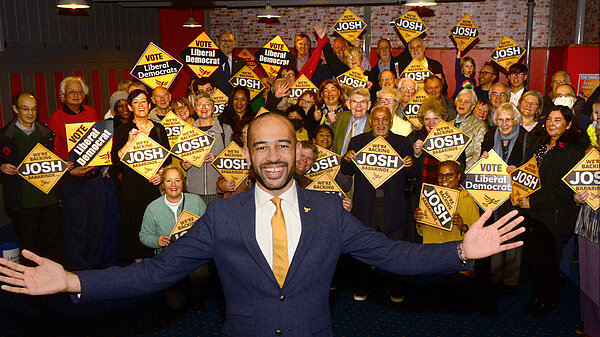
[265, 209]
[516, 96]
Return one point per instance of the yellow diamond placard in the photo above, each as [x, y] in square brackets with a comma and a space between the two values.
[145, 156]
[326, 162]
[410, 25]
[185, 221]
[249, 58]
[507, 52]
[156, 68]
[192, 145]
[585, 176]
[378, 161]
[274, 55]
[326, 183]
[261, 111]
[445, 141]
[220, 101]
[488, 182]
[438, 205]
[411, 109]
[299, 87]
[417, 71]
[173, 126]
[90, 143]
[353, 78]
[232, 164]
[349, 25]
[42, 168]
[203, 55]
[464, 32]
[525, 179]
[248, 79]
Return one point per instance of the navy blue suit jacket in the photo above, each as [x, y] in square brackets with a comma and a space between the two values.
[255, 304]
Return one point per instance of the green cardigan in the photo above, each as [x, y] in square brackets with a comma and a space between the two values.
[159, 219]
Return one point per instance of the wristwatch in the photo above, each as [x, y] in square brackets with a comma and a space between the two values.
[459, 253]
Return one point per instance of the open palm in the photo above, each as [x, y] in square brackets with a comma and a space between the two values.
[480, 242]
[48, 277]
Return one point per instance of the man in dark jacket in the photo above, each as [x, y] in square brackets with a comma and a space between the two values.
[383, 208]
[35, 214]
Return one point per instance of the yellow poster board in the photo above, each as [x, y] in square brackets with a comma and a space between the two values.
[525, 179]
[220, 101]
[488, 182]
[156, 68]
[446, 142]
[90, 143]
[349, 25]
[411, 109]
[410, 25]
[185, 221]
[42, 168]
[192, 145]
[378, 161]
[232, 164]
[438, 205]
[173, 126]
[464, 32]
[203, 55]
[507, 52]
[325, 183]
[326, 162]
[145, 156]
[274, 55]
[585, 176]
[417, 71]
[248, 79]
[261, 111]
[247, 56]
[301, 85]
[353, 78]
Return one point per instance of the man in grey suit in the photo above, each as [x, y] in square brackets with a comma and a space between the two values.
[273, 284]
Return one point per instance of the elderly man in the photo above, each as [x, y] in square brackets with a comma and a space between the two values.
[433, 87]
[351, 123]
[488, 74]
[517, 77]
[275, 254]
[35, 214]
[416, 51]
[565, 95]
[384, 51]
[83, 187]
[390, 97]
[408, 88]
[385, 208]
[233, 64]
[321, 72]
[161, 97]
[499, 94]
[559, 78]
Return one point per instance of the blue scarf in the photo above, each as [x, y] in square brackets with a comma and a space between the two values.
[500, 138]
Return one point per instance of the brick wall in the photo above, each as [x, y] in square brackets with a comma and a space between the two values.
[493, 17]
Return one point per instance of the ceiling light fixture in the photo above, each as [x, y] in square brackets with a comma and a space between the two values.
[268, 12]
[420, 3]
[72, 4]
[192, 23]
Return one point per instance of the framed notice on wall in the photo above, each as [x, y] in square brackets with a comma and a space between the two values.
[587, 84]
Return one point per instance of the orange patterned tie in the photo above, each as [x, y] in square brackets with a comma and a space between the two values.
[280, 248]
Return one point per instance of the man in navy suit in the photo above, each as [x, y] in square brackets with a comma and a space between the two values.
[232, 66]
[236, 234]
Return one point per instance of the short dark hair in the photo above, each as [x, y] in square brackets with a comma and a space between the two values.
[135, 94]
[494, 68]
[19, 95]
[319, 128]
[517, 68]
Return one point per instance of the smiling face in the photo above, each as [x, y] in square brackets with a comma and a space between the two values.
[506, 122]
[358, 105]
[161, 97]
[448, 177]
[182, 110]
[204, 108]
[384, 50]
[498, 96]
[407, 90]
[380, 122]
[481, 111]
[517, 80]
[226, 42]
[558, 80]
[486, 75]
[122, 110]
[173, 185]
[140, 106]
[339, 45]
[433, 87]
[304, 160]
[323, 138]
[431, 119]
[74, 94]
[302, 47]
[240, 102]
[528, 106]
[354, 60]
[331, 95]
[272, 152]
[26, 110]
[386, 79]
[389, 99]
[556, 125]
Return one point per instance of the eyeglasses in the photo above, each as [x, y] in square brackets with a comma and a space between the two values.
[387, 100]
[205, 106]
[495, 94]
[517, 74]
[444, 176]
[353, 102]
[288, 75]
[530, 103]
[180, 108]
[408, 88]
[27, 109]
[504, 120]
[73, 93]
[481, 72]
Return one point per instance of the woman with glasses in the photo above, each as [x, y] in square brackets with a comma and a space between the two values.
[203, 180]
[183, 109]
[531, 106]
[391, 99]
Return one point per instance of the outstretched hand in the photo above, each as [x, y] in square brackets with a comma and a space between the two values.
[47, 278]
[480, 242]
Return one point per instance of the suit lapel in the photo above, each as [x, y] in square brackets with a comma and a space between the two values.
[247, 225]
[308, 222]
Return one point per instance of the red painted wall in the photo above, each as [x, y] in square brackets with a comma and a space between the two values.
[174, 38]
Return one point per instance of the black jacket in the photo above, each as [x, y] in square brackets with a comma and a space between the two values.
[9, 154]
[218, 76]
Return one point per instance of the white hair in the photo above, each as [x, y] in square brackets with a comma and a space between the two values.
[63, 85]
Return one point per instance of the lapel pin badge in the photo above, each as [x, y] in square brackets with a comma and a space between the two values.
[306, 209]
